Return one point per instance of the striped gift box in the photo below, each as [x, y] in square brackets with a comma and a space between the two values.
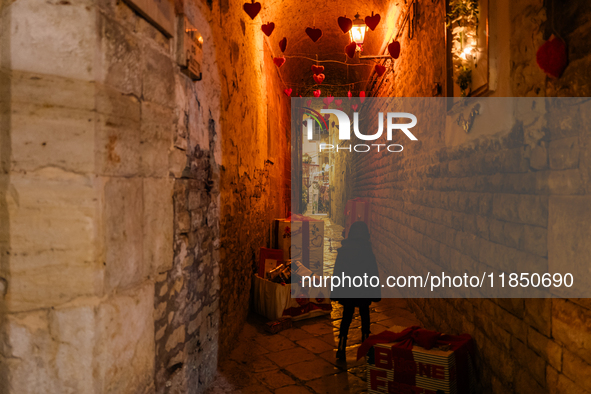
[416, 371]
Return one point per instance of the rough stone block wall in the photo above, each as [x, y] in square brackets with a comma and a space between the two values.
[255, 173]
[111, 190]
[522, 196]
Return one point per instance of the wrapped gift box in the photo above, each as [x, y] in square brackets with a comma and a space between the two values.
[356, 210]
[274, 300]
[301, 238]
[404, 366]
[268, 260]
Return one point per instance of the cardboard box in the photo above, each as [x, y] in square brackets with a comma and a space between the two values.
[301, 238]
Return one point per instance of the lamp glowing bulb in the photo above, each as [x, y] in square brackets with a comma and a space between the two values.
[357, 32]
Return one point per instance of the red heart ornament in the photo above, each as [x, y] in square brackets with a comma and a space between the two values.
[380, 70]
[362, 96]
[345, 23]
[328, 100]
[552, 57]
[327, 117]
[317, 69]
[350, 49]
[309, 103]
[252, 9]
[354, 107]
[319, 78]
[338, 102]
[349, 94]
[372, 21]
[317, 93]
[268, 28]
[287, 92]
[283, 44]
[314, 33]
[279, 61]
[394, 49]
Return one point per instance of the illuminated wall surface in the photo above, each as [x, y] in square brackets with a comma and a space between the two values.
[461, 206]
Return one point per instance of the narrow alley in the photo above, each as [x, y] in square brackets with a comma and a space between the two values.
[280, 196]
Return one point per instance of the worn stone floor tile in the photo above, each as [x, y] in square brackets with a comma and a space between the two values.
[314, 345]
[256, 389]
[376, 328]
[355, 323]
[338, 383]
[400, 321]
[246, 349]
[274, 343]
[332, 339]
[260, 364]
[295, 334]
[231, 378]
[275, 379]
[313, 369]
[360, 371]
[319, 328]
[293, 390]
[290, 356]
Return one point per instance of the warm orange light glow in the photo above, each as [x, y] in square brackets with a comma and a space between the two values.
[357, 32]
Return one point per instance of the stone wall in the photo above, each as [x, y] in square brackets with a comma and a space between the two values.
[114, 273]
[522, 194]
[255, 172]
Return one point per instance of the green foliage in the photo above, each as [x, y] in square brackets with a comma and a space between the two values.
[464, 78]
[462, 19]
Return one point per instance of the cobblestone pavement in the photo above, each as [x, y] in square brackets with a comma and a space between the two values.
[302, 359]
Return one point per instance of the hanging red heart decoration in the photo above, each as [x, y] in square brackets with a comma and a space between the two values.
[354, 107]
[328, 100]
[317, 93]
[362, 96]
[287, 92]
[394, 49]
[552, 57]
[338, 102]
[268, 28]
[252, 9]
[350, 49]
[317, 69]
[314, 33]
[327, 117]
[372, 21]
[283, 44]
[349, 94]
[380, 70]
[319, 78]
[279, 61]
[309, 103]
[325, 107]
[345, 23]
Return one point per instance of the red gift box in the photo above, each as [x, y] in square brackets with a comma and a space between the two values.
[416, 360]
[269, 259]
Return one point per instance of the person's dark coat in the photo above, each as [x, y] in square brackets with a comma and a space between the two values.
[356, 258]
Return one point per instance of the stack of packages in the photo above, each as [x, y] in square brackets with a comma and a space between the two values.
[298, 239]
[356, 210]
[415, 360]
[301, 238]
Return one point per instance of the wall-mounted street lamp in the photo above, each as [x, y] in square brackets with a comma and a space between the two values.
[357, 32]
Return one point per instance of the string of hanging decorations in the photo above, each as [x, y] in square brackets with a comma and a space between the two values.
[356, 29]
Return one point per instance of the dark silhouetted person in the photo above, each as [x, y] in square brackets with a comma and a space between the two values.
[355, 259]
